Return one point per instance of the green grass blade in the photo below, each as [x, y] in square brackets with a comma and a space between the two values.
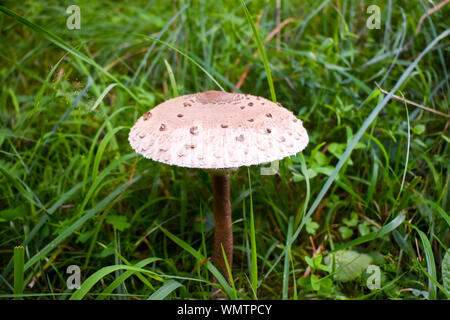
[171, 46]
[230, 274]
[364, 127]
[94, 144]
[261, 51]
[124, 276]
[102, 95]
[287, 261]
[101, 150]
[143, 62]
[63, 198]
[220, 278]
[254, 254]
[173, 83]
[407, 152]
[77, 224]
[438, 209]
[46, 84]
[167, 288]
[361, 131]
[431, 264]
[65, 46]
[21, 186]
[19, 253]
[98, 275]
[103, 174]
[394, 224]
[305, 173]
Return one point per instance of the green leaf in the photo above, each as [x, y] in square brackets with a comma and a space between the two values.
[297, 177]
[326, 286]
[315, 282]
[446, 271]
[352, 222]
[319, 158]
[85, 236]
[345, 232]
[364, 228]
[338, 149]
[118, 222]
[11, 214]
[107, 252]
[419, 129]
[310, 262]
[374, 235]
[311, 226]
[348, 264]
[326, 170]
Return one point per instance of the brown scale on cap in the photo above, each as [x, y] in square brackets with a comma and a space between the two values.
[147, 115]
[193, 130]
[255, 125]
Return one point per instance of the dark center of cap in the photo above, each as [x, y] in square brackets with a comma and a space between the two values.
[214, 96]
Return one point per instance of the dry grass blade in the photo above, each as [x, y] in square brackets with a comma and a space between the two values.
[429, 12]
[415, 104]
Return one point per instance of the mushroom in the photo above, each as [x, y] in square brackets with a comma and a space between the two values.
[219, 132]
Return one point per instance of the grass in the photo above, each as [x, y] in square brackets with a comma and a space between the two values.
[373, 180]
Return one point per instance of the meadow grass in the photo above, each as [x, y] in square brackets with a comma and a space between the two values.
[371, 185]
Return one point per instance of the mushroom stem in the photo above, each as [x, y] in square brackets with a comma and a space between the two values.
[223, 234]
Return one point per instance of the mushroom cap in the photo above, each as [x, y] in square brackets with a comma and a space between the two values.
[217, 130]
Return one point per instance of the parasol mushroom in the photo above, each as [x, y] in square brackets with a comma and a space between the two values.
[219, 132]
